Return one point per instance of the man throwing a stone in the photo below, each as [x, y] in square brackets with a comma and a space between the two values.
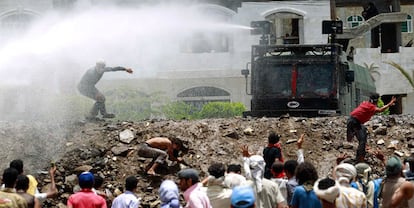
[87, 88]
[360, 115]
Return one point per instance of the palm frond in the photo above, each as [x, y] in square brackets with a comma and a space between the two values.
[402, 71]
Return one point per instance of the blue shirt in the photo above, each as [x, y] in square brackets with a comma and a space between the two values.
[305, 199]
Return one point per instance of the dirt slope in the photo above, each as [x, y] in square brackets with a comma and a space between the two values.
[97, 146]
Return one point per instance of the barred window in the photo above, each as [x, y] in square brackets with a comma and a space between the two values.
[354, 21]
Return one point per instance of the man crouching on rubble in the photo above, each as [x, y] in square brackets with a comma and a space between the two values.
[159, 148]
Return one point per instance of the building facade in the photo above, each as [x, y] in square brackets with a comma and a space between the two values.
[207, 66]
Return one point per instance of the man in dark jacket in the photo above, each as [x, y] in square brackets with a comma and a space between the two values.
[87, 88]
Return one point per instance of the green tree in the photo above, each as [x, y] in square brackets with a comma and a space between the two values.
[179, 110]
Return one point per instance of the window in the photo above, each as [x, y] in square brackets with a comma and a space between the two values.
[354, 21]
[407, 26]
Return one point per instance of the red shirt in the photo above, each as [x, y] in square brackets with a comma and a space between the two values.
[86, 198]
[364, 111]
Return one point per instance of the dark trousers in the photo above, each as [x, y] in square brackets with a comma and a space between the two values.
[93, 93]
[355, 128]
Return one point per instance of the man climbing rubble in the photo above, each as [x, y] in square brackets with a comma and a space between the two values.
[87, 88]
[159, 149]
[360, 115]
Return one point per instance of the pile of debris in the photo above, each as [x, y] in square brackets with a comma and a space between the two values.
[109, 148]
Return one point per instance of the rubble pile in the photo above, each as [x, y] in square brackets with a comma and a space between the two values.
[109, 148]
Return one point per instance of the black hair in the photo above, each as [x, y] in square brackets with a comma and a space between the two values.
[18, 165]
[22, 182]
[98, 181]
[374, 98]
[217, 170]
[273, 138]
[131, 183]
[326, 183]
[235, 168]
[277, 167]
[10, 177]
[181, 146]
[290, 166]
[306, 172]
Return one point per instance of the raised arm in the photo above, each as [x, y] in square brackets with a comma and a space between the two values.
[383, 108]
[118, 68]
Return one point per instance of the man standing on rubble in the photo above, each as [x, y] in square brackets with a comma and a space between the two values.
[360, 115]
[87, 87]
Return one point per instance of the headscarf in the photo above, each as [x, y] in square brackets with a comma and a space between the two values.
[345, 173]
[232, 180]
[329, 194]
[254, 169]
[169, 194]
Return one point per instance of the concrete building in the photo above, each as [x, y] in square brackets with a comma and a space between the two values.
[207, 66]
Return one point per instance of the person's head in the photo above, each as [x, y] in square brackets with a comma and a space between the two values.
[178, 145]
[169, 194]
[217, 170]
[86, 180]
[242, 197]
[98, 181]
[327, 190]
[277, 169]
[18, 165]
[22, 183]
[10, 177]
[363, 172]
[373, 98]
[393, 167]
[273, 138]
[290, 168]
[344, 173]
[100, 65]
[306, 173]
[234, 168]
[188, 177]
[131, 183]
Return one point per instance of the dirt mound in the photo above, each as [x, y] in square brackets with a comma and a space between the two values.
[109, 148]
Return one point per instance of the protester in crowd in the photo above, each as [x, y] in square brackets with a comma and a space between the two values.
[97, 186]
[272, 152]
[344, 174]
[327, 190]
[233, 176]
[217, 192]
[193, 195]
[242, 197]
[360, 115]
[279, 176]
[169, 194]
[159, 148]
[267, 192]
[86, 197]
[409, 170]
[87, 88]
[8, 193]
[22, 184]
[395, 190]
[304, 196]
[366, 184]
[128, 199]
[33, 190]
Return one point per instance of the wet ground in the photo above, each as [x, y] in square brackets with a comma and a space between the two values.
[97, 146]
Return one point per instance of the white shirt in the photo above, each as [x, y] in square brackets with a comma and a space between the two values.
[126, 200]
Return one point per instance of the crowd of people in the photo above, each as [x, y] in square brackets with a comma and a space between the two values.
[261, 181]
